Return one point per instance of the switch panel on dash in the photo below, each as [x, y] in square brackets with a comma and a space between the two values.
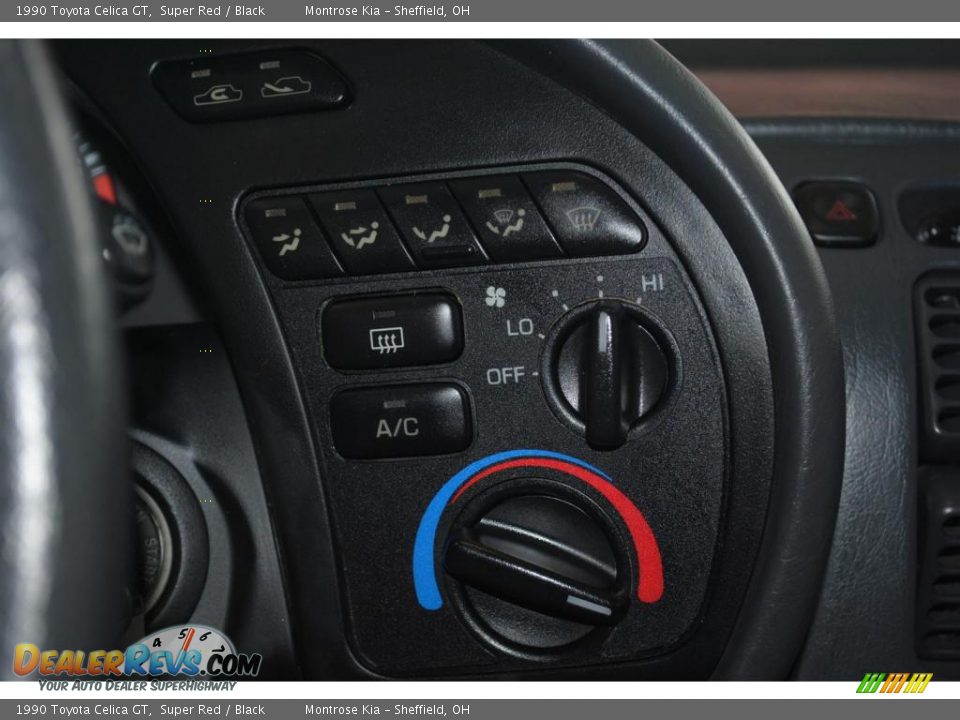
[388, 331]
[249, 85]
[472, 219]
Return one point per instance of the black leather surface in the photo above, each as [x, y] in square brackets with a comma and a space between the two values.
[651, 94]
[63, 488]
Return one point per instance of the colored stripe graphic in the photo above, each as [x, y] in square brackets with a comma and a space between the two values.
[919, 682]
[650, 584]
[893, 683]
[871, 682]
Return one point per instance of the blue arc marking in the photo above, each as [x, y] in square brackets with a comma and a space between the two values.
[424, 572]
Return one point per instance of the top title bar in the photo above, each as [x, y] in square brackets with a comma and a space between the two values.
[586, 11]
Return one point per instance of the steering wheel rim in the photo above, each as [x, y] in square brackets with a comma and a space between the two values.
[65, 508]
[646, 90]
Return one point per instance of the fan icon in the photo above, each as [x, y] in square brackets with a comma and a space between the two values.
[495, 297]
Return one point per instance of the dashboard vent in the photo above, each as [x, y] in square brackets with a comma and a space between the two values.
[938, 597]
[937, 315]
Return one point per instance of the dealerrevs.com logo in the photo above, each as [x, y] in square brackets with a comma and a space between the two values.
[184, 650]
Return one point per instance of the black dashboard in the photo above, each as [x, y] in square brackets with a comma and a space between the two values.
[438, 370]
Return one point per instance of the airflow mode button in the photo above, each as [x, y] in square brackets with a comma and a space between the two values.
[433, 225]
[290, 242]
[392, 331]
[361, 232]
[506, 219]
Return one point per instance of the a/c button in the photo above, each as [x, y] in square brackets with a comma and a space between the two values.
[396, 421]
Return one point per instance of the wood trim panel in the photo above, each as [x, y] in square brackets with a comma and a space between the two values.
[915, 94]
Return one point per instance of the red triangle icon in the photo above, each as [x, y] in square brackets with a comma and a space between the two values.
[840, 212]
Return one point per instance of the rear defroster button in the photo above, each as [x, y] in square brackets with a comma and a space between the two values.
[392, 331]
[395, 421]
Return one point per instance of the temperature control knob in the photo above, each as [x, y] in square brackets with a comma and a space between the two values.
[606, 370]
[538, 571]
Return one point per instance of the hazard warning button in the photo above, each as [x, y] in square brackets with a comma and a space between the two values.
[838, 214]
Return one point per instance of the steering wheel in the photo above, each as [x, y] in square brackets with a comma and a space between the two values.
[65, 510]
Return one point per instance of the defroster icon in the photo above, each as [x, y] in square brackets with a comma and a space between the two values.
[386, 340]
[583, 219]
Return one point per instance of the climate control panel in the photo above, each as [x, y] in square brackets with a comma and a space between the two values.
[525, 462]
